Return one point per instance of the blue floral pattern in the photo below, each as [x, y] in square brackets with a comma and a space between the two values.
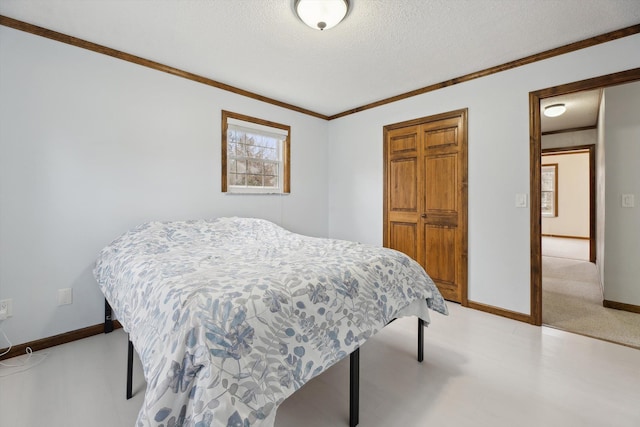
[231, 315]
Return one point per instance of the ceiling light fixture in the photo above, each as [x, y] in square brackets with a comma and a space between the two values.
[554, 110]
[321, 14]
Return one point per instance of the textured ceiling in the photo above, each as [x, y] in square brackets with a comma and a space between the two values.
[383, 48]
[582, 111]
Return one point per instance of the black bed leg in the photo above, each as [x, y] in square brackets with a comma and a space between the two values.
[130, 370]
[354, 388]
[420, 340]
[108, 319]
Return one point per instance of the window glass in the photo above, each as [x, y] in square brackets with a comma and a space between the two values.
[255, 155]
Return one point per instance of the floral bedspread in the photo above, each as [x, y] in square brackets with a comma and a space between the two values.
[230, 316]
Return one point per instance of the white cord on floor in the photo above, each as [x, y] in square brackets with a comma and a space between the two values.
[24, 364]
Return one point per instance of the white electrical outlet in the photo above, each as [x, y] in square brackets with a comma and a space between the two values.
[6, 308]
[65, 296]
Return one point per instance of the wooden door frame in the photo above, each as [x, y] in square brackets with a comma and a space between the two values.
[535, 154]
[464, 197]
[591, 151]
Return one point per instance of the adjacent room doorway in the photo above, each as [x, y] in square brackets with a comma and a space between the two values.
[575, 195]
[535, 151]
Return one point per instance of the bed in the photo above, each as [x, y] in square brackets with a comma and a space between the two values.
[230, 316]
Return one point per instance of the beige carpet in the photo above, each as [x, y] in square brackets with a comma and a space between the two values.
[572, 301]
[562, 247]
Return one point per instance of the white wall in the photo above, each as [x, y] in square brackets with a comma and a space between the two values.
[569, 139]
[499, 246]
[622, 225]
[573, 196]
[564, 225]
[91, 146]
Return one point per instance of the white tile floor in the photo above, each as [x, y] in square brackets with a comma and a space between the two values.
[479, 370]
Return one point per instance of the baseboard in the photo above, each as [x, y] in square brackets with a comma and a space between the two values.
[621, 306]
[565, 237]
[41, 344]
[501, 312]
[89, 331]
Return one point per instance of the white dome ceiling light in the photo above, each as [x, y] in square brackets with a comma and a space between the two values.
[554, 110]
[321, 14]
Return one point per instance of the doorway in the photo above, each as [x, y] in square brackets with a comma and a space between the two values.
[572, 213]
[536, 99]
[570, 283]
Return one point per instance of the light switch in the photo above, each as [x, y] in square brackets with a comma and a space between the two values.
[521, 200]
[628, 201]
[65, 296]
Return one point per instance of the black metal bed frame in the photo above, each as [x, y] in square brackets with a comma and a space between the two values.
[354, 366]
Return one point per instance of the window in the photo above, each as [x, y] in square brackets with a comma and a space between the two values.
[549, 187]
[255, 155]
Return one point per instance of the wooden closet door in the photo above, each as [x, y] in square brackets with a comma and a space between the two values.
[444, 215]
[403, 191]
[426, 197]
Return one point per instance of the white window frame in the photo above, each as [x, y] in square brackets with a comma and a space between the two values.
[259, 127]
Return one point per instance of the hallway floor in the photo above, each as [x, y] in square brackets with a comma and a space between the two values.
[572, 297]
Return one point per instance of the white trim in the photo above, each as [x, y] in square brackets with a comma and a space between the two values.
[238, 189]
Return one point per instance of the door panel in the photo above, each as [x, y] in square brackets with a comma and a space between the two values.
[440, 264]
[443, 192]
[441, 177]
[404, 197]
[402, 190]
[404, 238]
[443, 137]
[404, 143]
